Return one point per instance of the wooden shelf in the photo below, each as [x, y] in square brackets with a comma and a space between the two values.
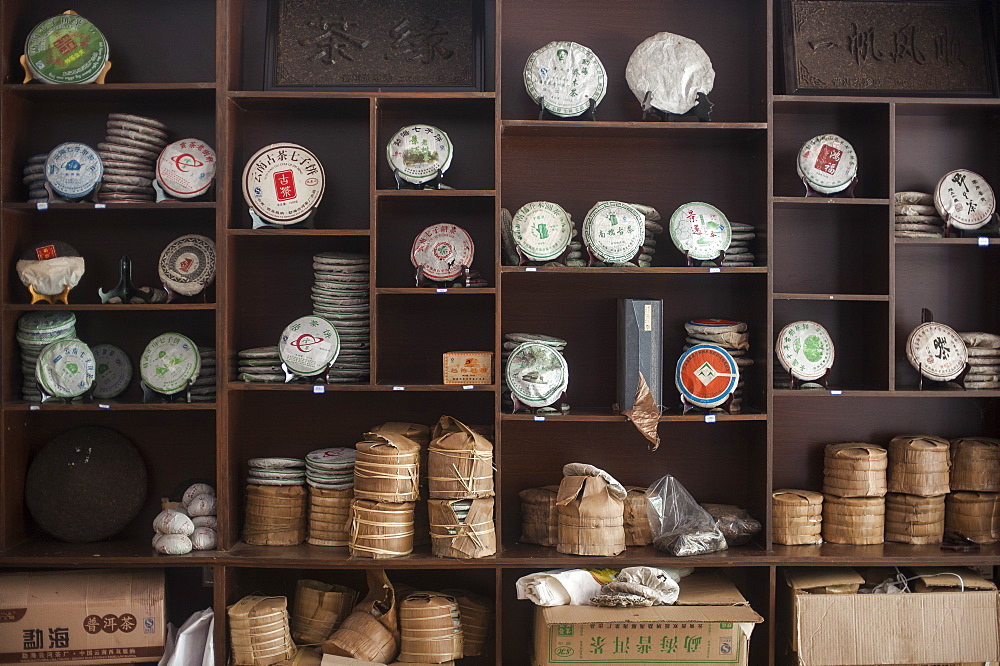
[828, 201]
[604, 128]
[894, 393]
[108, 405]
[945, 242]
[436, 291]
[163, 205]
[295, 233]
[435, 193]
[830, 297]
[886, 554]
[333, 388]
[632, 270]
[819, 100]
[307, 556]
[598, 417]
[109, 307]
[36, 550]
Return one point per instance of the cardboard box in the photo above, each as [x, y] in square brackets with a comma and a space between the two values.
[83, 617]
[942, 626]
[640, 349]
[711, 623]
[468, 367]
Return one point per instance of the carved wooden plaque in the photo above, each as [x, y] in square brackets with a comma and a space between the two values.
[375, 44]
[920, 47]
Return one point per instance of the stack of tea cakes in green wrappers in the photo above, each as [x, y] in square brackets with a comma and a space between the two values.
[35, 331]
[984, 360]
[259, 365]
[535, 371]
[203, 388]
[916, 216]
[129, 152]
[729, 335]
[340, 295]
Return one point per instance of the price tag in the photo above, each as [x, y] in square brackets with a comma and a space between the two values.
[102, 405]
[709, 418]
[531, 269]
[100, 205]
[468, 387]
[319, 388]
[539, 418]
[398, 388]
[442, 291]
[34, 408]
[42, 205]
[984, 241]
[714, 269]
[838, 392]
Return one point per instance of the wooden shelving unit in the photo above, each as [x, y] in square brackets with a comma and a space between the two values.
[199, 66]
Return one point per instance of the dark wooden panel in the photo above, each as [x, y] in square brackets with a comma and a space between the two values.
[402, 219]
[723, 29]
[467, 122]
[865, 126]
[335, 130]
[831, 249]
[582, 309]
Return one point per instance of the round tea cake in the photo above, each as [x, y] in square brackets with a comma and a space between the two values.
[113, 373]
[565, 76]
[187, 264]
[170, 363]
[828, 163]
[418, 152]
[441, 250]
[283, 183]
[706, 375]
[965, 199]
[186, 168]
[537, 374]
[614, 231]
[673, 68]
[936, 351]
[66, 368]
[700, 230]
[66, 49]
[805, 350]
[85, 485]
[73, 170]
[309, 345]
[542, 230]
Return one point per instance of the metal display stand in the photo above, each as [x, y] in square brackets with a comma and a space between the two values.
[125, 290]
[727, 406]
[151, 395]
[86, 396]
[845, 194]
[54, 299]
[162, 195]
[258, 223]
[295, 378]
[951, 231]
[421, 279]
[702, 111]
[436, 183]
[545, 114]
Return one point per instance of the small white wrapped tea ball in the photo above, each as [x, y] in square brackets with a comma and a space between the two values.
[173, 522]
[205, 521]
[195, 490]
[203, 538]
[202, 505]
[173, 544]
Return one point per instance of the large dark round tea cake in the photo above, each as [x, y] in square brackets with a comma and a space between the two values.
[85, 485]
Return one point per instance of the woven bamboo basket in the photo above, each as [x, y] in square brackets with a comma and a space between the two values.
[591, 520]
[430, 628]
[258, 631]
[275, 515]
[473, 537]
[476, 614]
[854, 469]
[637, 529]
[796, 517]
[976, 515]
[914, 519]
[330, 516]
[319, 609]
[539, 516]
[459, 462]
[919, 465]
[857, 521]
[381, 529]
[975, 464]
[387, 468]
[361, 636]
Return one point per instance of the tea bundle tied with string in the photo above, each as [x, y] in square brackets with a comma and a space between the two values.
[914, 519]
[459, 462]
[854, 469]
[462, 528]
[540, 516]
[430, 628]
[476, 614]
[796, 517]
[591, 506]
[319, 610]
[258, 631]
[857, 521]
[919, 465]
[387, 468]
[275, 515]
[975, 515]
[975, 464]
[371, 632]
[330, 516]
[381, 529]
[637, 529]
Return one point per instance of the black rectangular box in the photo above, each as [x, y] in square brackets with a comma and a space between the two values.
[640, 349]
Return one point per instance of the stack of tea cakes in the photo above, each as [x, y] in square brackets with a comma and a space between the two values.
[984, 360]
[260, 365]
[129, 152]
[341, 295]
[35, 331]
[34, 178]
[916, 216]
[731, 336]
